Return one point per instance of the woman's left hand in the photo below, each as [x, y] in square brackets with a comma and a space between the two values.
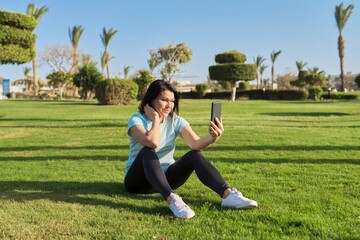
[216, 130]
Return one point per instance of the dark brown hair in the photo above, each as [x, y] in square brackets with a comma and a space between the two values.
[154, 90]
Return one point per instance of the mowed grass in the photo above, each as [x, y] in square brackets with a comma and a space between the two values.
[62, 165]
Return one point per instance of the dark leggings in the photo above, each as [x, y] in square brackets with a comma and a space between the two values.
[147, 176]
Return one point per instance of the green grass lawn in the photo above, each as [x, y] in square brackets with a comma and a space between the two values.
[62, 165]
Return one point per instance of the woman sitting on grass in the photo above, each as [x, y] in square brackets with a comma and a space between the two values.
[151, 167]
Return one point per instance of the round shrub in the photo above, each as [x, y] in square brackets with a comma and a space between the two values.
[232, 56]
[201, 89]
[315, 92]
[116, 91]
[244, 85]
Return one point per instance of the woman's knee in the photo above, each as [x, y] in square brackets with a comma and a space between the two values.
[194, 155]
[147, 149]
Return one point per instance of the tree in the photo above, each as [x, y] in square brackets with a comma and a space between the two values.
[127, 71]
[342, 16]
[284, 80]
[86, 78]
[16, 38]
[59, 79]
[231, 67]
[106, 38]
[262, 69]
[27, 79]
[143, 78]
[274, 55]
[315, 77]
[58, 58]
[153, 62]
[171, 57]
[37, 13]
[75, 35]
[357, 80]
[300, 65]
[258, 61]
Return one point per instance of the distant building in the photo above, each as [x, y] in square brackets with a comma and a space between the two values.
[349, 81]
[185, 86]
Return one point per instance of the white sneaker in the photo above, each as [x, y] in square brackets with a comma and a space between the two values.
[179, 208]
[237, 200]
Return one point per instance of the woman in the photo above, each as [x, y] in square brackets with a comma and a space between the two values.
[151, 167]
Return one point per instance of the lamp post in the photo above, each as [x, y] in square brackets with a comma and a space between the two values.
[329, 95]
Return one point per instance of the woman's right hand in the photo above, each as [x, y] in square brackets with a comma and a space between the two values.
[150, 113]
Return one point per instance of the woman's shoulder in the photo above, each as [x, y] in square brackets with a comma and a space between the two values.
[137, 118]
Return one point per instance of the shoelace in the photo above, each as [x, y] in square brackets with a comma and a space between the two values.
[178, 202]
[237, 192]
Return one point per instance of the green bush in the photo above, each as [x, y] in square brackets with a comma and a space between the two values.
[341, 96]
[116, 91]
[357, 80]
[15, 54]
[315, 92]
[18, 20]
[10, 35]
[201, 89]
[16, 37]
[244, 85]
[232, 56]
[233, 71]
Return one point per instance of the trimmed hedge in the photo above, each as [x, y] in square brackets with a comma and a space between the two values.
[233, 71]
[10, 35]
[15, 54]
[230, 57]
[341, 96]
[16, 37]
[116, 91]
[253, 95]
[18, 20]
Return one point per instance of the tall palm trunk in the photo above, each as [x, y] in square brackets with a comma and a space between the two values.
[272, 76]
[35, 79]
[341, 47]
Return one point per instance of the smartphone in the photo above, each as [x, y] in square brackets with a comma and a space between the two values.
[215, 111]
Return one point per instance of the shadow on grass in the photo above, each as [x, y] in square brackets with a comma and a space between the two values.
[84, 193]
[63, 148]
[305, 114]
[354, 161]
[103, 157]
[58, 120]
[208, 152]
[62, 123]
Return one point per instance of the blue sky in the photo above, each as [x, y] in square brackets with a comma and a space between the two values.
[303, 30]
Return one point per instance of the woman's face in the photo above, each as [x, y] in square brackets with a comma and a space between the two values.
[164, 103]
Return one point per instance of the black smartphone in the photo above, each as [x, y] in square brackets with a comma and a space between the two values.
[215, 111]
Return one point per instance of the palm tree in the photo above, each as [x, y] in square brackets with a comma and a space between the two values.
[126, 71]
[274, 55]
[153, 62]
[262, 69]
[341, 16]
[75, 35]
[258, 61]
[106, 38]
[37, 13]
[300, 65]
[27, 78]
